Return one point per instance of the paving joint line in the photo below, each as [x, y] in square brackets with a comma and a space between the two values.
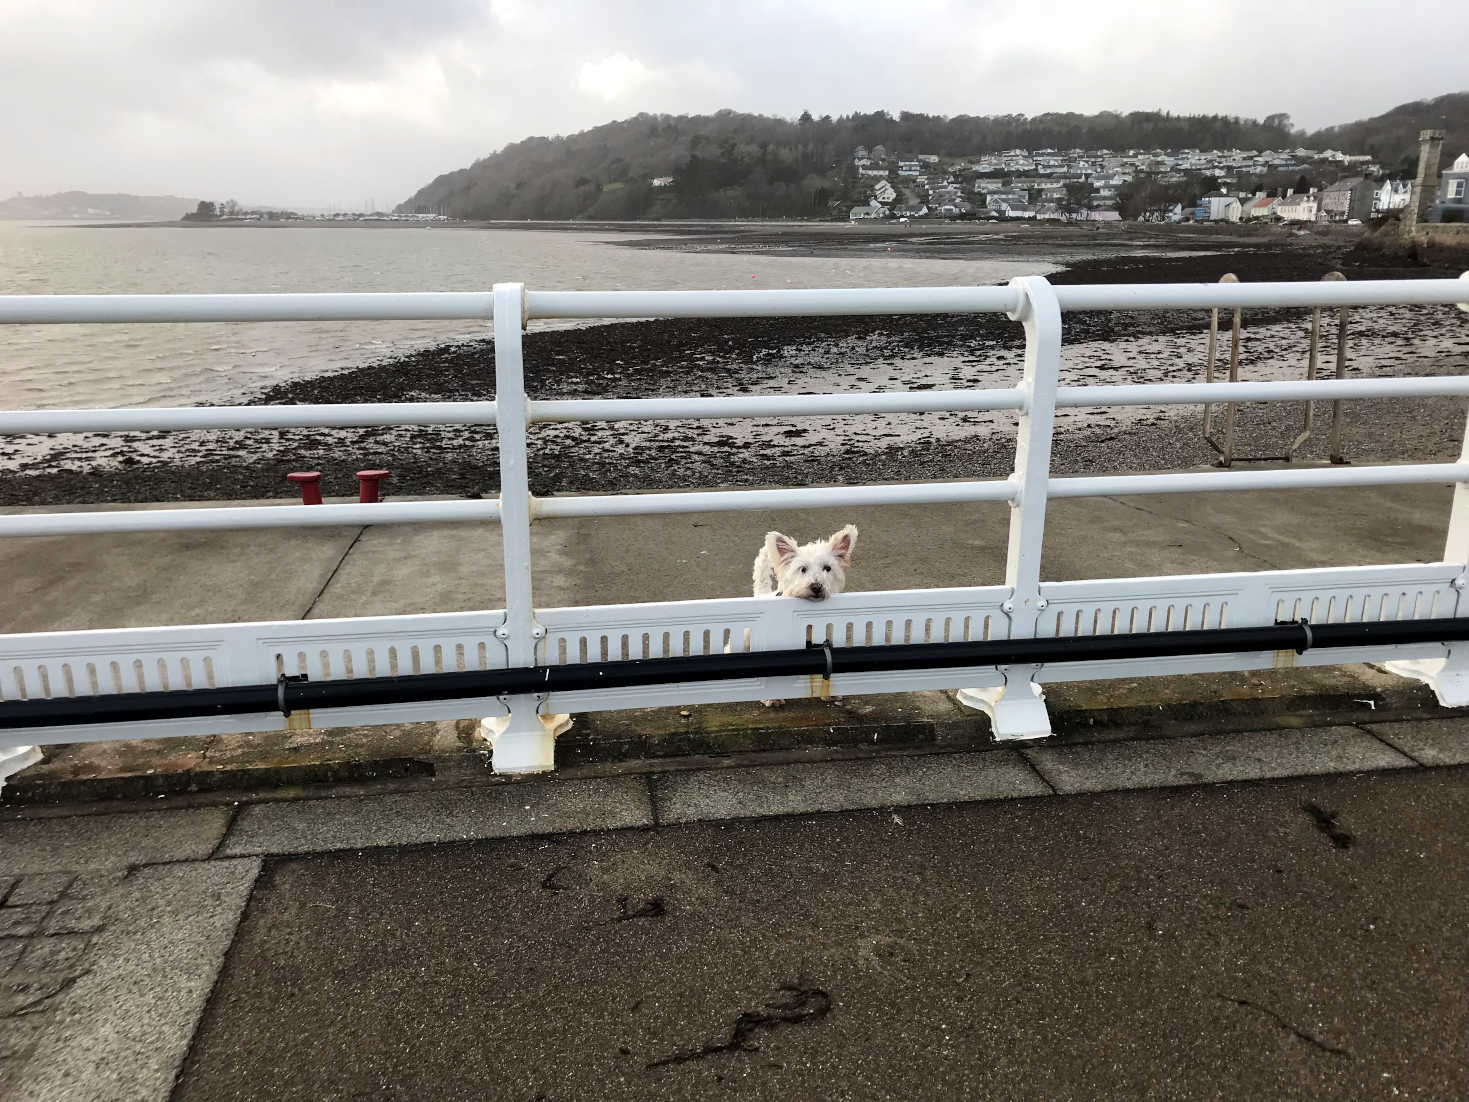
[1365, 729]
[207, 1003]
[332, 576]
[224, 835]
[1238, 546]
[1021, 751]
[654, 815]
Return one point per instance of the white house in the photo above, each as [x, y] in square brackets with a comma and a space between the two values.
[1452, 202]
[873, 209]
[1261, 206]
[1300, 207]
[908, 168]
[884, 192]
[661, 181]
[1010, 207]
[1217, 208]
[1392, 195]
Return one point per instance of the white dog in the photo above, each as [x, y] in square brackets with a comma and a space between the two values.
[812, 571]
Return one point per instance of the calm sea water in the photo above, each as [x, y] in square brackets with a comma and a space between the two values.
[63, 366]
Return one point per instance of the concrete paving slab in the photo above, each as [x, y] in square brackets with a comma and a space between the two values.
[127, 1000]
[157, 578]
[405, 569]
[1428, 741]
[109, 841]
[801, 787]
[452, 815]
[143, 768]
[891, 719]
[1164, 944]
[1209, 759]
[1295, 529]
[1240, 700]
[148, 579]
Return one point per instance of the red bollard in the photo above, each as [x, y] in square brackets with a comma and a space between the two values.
[310, 483]
[367, 484]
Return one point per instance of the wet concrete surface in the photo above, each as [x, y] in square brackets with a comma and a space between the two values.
[1281, 939]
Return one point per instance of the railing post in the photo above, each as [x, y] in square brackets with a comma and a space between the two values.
[1225, 450]
[15, 758]
[524, 741]
[1448, 676]
[1017, 709]
[1334, 453]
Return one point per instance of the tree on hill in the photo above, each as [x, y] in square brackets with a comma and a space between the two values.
[1392, 137]
[732, 164]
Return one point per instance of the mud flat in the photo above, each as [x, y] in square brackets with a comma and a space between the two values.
[796, 355]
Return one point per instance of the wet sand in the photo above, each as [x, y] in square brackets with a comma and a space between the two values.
[743, 356]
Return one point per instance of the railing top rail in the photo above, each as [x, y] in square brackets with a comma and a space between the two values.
[1203, 296]
[451, 305]
[314, 306]
[1280, 390]
[782, 303]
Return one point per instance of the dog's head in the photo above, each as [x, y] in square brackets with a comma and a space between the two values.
[812, 571]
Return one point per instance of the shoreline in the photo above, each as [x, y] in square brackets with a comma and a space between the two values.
[735, 356]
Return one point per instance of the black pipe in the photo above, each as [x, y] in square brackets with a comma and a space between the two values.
[292, 694]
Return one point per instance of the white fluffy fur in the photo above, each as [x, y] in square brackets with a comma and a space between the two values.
[812, 571]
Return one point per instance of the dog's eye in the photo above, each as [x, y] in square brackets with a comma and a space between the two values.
[827, 568]
[803, 570]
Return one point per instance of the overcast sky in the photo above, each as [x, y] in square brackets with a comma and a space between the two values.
[336, 102]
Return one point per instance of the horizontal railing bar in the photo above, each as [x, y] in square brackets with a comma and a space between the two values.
[330, 306]
[249, 516]
[364, 414]
[791, 303]
[285, 697]
[774, 405]
[610, 505]
[1201, 296]
[166, 419]
[450, 305]
[1289, 479]
[1292, 390]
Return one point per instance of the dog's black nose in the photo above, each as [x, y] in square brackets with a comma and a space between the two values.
[817, 589]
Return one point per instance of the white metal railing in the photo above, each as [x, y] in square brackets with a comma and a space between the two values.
[90, 663]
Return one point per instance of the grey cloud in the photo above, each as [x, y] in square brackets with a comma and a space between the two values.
[333, 101]
[318, 36]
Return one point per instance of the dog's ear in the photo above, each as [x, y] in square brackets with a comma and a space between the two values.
[778, 547]
[842, 544]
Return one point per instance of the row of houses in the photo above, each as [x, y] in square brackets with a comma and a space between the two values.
[1090, 164]
[997, 207]
[1351, 200]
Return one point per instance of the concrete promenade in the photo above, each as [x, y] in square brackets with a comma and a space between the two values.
[146, 579]
[161, 578]
[1102, 920]
[1160, 909]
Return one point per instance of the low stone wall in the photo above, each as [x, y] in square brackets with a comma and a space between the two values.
[1442, 242]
